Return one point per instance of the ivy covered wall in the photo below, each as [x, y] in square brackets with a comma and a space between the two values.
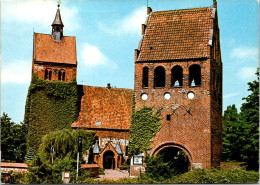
[49, 106]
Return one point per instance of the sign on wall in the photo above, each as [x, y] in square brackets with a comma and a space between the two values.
[137, 159]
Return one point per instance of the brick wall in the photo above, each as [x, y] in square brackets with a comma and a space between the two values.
[70, 70]
[191, 131]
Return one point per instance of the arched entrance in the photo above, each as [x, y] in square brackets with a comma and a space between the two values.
[108, 160]
[177, 156]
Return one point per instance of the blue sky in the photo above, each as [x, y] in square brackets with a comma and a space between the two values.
[107, 32]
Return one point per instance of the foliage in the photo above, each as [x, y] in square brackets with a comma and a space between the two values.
[241, 131]
[232, 133]
[65, 141]
[199, 176]
[144, 125]
[157, 169]
[13, 177]
[49, 106]
[250, 120]
[13, 139]
[216, 176]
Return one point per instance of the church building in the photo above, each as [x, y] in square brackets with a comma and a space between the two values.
[178, 69]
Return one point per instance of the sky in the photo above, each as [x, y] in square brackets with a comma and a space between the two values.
[107, 33]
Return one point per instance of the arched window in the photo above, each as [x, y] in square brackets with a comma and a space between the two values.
[195, 75]
[159, 77]
[48, 73]
[61, 75]
[176, 79]
[145, 77]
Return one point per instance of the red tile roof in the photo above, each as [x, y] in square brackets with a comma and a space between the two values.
[177, 34]
[46, 49]
[105, 108]
[14, 165]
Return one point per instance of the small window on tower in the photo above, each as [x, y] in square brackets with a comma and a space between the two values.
[145, 77]
[194, 75]
[176, 80]
[61, 75]
[48, 73]
[159, 77]
[168, 117]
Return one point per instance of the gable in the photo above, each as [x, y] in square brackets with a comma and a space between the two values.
[177, 34]
[46, 49]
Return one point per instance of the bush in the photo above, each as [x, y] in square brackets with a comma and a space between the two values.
[218, 176]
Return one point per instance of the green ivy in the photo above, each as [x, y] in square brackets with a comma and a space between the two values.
[145, 123]
[49, 106]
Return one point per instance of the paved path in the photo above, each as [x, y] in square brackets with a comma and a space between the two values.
[114, 174]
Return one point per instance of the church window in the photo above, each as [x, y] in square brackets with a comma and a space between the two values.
[47, 74]
[159, 77]
[145, 77]
[176, 76]
[168, 117]
[61, 76]
[194, 75]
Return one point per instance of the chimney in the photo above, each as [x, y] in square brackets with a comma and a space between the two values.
[149, 10]
[136, 54]
[108, 86]
[143, 28]
[215, 3]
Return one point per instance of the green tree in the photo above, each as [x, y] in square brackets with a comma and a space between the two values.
[65, 142]
[250, 120]
[13, 139]
[232, 134]
[145, 123]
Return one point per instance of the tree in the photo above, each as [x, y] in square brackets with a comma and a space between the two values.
[13, 139]
[232, 133]
[65, 143]
[241, 131]
[250, 120]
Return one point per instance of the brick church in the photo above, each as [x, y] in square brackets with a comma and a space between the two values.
[178, 69]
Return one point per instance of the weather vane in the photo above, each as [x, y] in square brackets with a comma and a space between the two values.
[59, 2]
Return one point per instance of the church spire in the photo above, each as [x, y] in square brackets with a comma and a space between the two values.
[57, 25]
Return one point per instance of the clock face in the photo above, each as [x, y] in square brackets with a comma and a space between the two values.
[167, 96]
[191, 95]
[144, 96]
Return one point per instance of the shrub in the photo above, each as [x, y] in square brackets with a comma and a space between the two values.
[214, 175]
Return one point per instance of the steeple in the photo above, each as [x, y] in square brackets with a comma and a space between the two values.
[57, 25]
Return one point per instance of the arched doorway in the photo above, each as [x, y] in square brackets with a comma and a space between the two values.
[108, 160]
[176, 158]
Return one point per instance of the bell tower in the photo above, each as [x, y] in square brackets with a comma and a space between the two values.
[54, 55]
[178, 70]
[57, 26]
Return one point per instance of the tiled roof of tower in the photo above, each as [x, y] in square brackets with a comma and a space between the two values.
[177, 34]
[46, 49]
[105, 108]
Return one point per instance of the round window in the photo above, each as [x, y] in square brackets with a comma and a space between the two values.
[167, 96]
[191, 95]
[144, 96]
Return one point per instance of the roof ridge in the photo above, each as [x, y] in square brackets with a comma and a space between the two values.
[185, 9]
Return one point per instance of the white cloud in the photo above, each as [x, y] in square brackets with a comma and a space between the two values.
[92, 57]
[131, 24]
[231, 95]
[16, 72]
[40, 12]
[247, 73]
[245, 53]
